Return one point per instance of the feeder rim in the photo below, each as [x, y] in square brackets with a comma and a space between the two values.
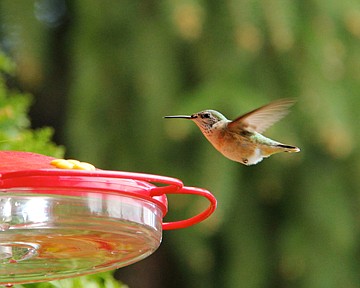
[8, 179]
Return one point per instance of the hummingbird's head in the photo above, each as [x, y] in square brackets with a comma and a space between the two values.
[203, 119]
[206, 119]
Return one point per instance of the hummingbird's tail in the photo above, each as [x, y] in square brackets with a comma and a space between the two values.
[276, 147]
[288, 148]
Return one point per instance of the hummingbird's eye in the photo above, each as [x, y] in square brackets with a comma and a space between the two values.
[205, 115]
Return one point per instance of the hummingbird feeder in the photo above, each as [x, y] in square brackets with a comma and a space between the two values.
[58, 223]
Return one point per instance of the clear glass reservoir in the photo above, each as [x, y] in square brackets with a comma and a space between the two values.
[45, 237]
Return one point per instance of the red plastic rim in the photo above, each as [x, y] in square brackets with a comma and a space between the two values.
[150, 187]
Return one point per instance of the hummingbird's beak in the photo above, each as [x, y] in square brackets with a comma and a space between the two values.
[180, 116]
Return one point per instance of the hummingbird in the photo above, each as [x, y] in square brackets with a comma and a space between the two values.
[241, 140]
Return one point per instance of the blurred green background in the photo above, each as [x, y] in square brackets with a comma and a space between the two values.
[104, 73]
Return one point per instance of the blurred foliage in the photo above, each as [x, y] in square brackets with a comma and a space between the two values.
[290, 221]
[15, 132]
[101, 280]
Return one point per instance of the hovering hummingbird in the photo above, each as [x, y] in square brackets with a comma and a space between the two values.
[240, 140]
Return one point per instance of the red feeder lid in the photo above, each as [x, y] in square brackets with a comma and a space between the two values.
[24, 170]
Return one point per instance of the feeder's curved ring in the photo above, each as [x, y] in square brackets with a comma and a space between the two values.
[195, 219]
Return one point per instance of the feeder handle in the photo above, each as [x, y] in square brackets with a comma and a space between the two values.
[195, 219]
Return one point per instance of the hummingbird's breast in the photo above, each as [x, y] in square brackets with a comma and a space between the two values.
[238, 147]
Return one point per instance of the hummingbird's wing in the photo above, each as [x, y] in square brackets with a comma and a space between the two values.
[262, 118]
